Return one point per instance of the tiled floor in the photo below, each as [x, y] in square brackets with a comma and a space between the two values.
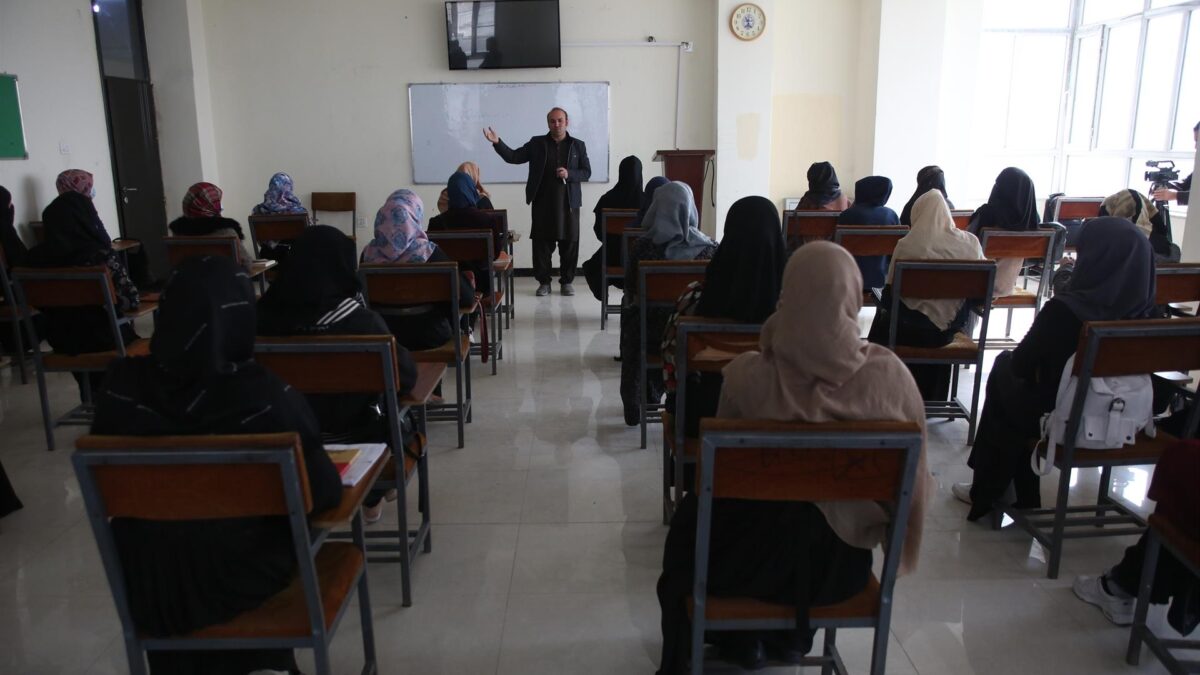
[547, 544]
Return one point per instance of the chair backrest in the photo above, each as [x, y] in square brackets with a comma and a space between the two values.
[1177, 282]
[334, 201]
[338, 364]
[962, 218]
[466, 247]
[628, 237]
[705, 345]
[64, 287]
[827, 462]
[182, 248]
[663, 281]
[616, 221]
[38, 229]
[1076, 208]
[500, 219]
[1141, 347]
[944, 279]
[409, 284]
[281, 227]
[999, 243]
[799, 225]
[869, 240]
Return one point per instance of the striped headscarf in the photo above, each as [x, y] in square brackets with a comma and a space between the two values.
[279, 197]
[203, 200]
[75, 180]
[398, 233]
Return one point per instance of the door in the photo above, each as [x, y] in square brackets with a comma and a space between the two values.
[133, 137]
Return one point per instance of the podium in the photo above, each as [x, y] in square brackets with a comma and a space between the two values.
[687, 166]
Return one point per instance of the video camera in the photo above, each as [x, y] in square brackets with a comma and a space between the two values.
[1164, 173]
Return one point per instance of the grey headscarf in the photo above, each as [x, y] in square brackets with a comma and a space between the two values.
[672, 222]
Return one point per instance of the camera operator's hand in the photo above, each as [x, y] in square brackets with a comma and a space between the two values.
[1164, 195]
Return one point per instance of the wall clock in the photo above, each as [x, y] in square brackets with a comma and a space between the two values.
[748, 21]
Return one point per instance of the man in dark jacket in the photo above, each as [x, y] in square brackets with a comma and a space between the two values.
[558, 163]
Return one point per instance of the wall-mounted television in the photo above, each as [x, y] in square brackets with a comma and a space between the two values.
[503, 34]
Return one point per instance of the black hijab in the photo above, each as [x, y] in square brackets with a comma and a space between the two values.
[648, 198]
[743, 279]
[1114, 272]
[870, 197]
[10, 241]
[74, 233]
[626, 194]
[929, 178]
[823, 186]
[1012, 204]
[319, 274]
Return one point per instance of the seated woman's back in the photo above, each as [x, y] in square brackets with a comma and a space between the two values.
[1012, 205]
[318, 292]
[202, 217]
[465, 214]
[200, 378]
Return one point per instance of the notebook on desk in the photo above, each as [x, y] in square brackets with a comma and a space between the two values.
[353, 461]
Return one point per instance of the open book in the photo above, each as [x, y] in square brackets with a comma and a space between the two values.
[353, 461]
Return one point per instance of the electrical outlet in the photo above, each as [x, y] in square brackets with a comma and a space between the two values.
[64, 149]
[362, 221]
[688, 48]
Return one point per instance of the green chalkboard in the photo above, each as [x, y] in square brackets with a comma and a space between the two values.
[12, 135]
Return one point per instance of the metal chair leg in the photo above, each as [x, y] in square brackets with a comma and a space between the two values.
[1060, 523]
[1137, 632]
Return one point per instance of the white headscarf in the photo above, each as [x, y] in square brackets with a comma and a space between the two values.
[672, 222]
[933, 236]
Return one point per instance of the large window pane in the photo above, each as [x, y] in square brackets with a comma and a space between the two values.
[1037, 81]
[992, 88]
[1189, 89]
[1087, 70]
[1116, 106]
[1090, 176]
[1158, 81]
[998, 14]
[1166, 3]
[984, 170]
[1097, 11]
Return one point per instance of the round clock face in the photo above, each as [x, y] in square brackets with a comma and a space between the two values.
[748, 21]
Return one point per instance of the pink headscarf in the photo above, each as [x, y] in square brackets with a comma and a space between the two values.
[75, 180]
[203, 200]
[398, 233]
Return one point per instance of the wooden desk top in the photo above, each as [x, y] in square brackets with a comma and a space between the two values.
[122, 245]
[352, 499]
[257, 267]
[428, 377]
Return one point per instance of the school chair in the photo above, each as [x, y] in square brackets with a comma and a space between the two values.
[188, 478]
[792, 462]
[473, 250]
[1036, 244]
[967, 280]
[338, 202]
[65, 289]
[392, 288]
[869, 240]
[1108, 349]
[504, 266]
[962, 217]
[613, 223]
[1076, 208]
[280, 228]
[1185, 546]
[802, 226]
[660, 283]
[181, 248]
[1176, 284]
[702, 346]
[363, 364]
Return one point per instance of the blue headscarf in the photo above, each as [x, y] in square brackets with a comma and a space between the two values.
[461, 191]
[279, 197]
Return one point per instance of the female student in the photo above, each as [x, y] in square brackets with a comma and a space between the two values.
[928, 178]
[626, 194]
[1012, 205]
[472, 170]
[1113, 279]
[465, 214]
[870, 208]
[812, 368]
[824, 192]
[400, 239]
[279, 199]
[202, 218]
[672, 233]
[927, 323]
[201, 378]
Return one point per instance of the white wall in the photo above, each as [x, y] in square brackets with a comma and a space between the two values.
[319, 89]
[178, 56]
[51, 46]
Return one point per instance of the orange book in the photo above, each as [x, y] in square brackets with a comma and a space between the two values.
[343, 458]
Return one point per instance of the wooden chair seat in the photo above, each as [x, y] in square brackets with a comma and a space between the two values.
[616, 271]
[443, 354]
[865, 604]
[503, 263]
[962, 347]
[144, 308]
[1021, 297]
[338, 564]
[1144, 451]
[94, 360]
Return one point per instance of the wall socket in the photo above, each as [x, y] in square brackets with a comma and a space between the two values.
[362, 221]
[64, 149]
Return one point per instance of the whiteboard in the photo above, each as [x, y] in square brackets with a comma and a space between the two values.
[446, 124]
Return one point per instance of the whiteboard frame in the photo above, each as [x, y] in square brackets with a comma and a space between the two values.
[20, 117]
[412, 140]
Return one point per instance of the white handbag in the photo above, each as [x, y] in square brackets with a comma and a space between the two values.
[1114, 411]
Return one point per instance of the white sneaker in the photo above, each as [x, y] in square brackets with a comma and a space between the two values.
[1092, 591]
[962, 492]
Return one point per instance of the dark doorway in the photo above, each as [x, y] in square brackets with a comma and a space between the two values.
[133, 137]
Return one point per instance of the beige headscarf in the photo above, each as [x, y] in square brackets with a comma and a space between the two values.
[813, 367]
[933, 236]
[1125, 203]
[472, 170]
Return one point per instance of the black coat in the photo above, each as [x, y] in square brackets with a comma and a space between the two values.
[579, 169]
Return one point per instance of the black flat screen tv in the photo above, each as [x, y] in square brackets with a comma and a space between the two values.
[503, 34]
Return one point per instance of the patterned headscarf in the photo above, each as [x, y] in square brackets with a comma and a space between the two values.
[203, 200]
[398, 233]
[279, 197]
[75, 180]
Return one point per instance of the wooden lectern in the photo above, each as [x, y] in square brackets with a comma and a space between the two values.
[686, 166]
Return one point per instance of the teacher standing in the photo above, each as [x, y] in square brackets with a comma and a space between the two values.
[558, 163]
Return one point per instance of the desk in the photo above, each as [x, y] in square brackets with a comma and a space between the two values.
[124, 246]
[429, 376]
[352, 499]
[258, 270]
